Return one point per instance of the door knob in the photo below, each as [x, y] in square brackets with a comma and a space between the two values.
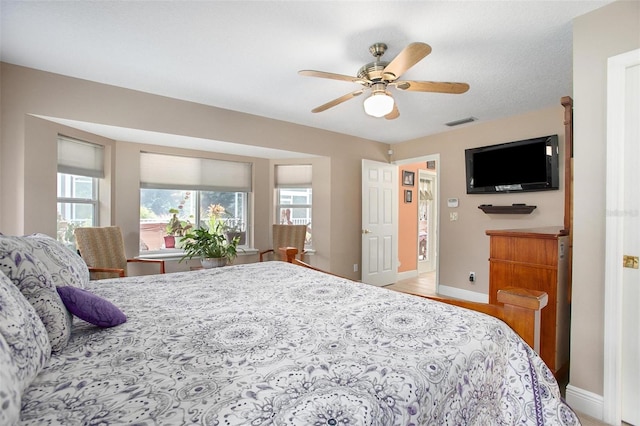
[366, 231]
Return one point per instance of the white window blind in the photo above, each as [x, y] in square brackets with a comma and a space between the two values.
[293, 176]
[80, 158]
[161, 171]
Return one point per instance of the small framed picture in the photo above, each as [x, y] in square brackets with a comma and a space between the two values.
[408, 178]
[408, 195]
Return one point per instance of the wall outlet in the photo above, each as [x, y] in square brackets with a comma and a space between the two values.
[355, 267]
[472, 277]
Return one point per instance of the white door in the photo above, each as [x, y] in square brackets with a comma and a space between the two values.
[631, 246]
[622, 289]
[379, 223]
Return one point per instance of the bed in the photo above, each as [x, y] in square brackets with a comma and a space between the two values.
[277, 344]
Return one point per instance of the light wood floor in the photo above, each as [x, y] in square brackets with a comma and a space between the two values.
[425, 285]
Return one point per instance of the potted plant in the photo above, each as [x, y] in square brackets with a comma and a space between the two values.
[211, 245]
[175, 230]
[230, 226]
[234, 228]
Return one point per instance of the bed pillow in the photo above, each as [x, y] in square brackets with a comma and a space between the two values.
[23, 331]
[29, 274]
[24, 348]
[65, 266]
[91, 307]
[10, 393]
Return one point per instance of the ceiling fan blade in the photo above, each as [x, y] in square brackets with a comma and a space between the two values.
[332, 76]
[395, 113]
[409, 56]
[337, 101]
[432, 86]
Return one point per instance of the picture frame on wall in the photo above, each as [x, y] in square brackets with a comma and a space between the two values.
[408, 196]
[408, 178]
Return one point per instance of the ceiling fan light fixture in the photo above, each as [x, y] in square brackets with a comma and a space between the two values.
[378, 76]
[378, 104]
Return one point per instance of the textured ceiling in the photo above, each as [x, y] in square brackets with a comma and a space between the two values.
[244, 56]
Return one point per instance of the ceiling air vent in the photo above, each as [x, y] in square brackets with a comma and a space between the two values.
[461, 121]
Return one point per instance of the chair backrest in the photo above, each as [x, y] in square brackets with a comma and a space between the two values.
[288, 236]
[102, 248]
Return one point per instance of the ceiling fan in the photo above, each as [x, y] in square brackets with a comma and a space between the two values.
[378, 76]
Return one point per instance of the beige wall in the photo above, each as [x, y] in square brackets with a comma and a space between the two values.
[464, 246]
[606, 32]
[29, 159]
[28, 168]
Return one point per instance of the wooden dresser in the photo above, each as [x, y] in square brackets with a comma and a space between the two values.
[537, 259]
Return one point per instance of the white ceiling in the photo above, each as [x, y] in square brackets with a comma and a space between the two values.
[244, 56]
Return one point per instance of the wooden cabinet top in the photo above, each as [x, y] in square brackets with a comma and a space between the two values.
[550, 232]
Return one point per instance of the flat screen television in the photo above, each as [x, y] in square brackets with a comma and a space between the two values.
[519, 166]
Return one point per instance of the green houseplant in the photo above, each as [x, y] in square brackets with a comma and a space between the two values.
[175, 230]
[235, 228]
[231, 226]
[177, 227]
[209, 244]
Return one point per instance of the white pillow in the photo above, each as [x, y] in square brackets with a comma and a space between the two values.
[10, 393]
[65, 266]
[30, 275]
[24, 348]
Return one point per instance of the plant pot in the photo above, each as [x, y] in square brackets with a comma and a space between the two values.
[213, 262]
[169, 241]
[178, 242]
[232, 234]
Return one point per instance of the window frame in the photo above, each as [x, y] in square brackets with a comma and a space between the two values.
[202, 174]
[198, 220]
[78, 158]
[93, 202]
[279, 206]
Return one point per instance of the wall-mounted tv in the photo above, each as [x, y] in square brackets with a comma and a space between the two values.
[526, 165]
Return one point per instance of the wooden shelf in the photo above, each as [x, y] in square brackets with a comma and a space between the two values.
[512, 209]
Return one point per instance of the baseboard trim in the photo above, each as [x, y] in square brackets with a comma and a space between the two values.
[586, 402]
[459, 293]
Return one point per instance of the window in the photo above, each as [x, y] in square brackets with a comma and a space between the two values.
[294, 196]
[80, 166]
[157, 206]
[185, 187]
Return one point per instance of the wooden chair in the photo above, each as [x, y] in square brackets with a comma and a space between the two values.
[286, 236]
[103, 251]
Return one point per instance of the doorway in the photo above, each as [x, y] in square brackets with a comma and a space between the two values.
[422, 243]
[427, 219]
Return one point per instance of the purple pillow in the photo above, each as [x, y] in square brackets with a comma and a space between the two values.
[90, 307]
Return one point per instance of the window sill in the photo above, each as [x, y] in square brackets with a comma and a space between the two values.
[177, 254]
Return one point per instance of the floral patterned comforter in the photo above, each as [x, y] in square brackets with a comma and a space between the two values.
[276, 344]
